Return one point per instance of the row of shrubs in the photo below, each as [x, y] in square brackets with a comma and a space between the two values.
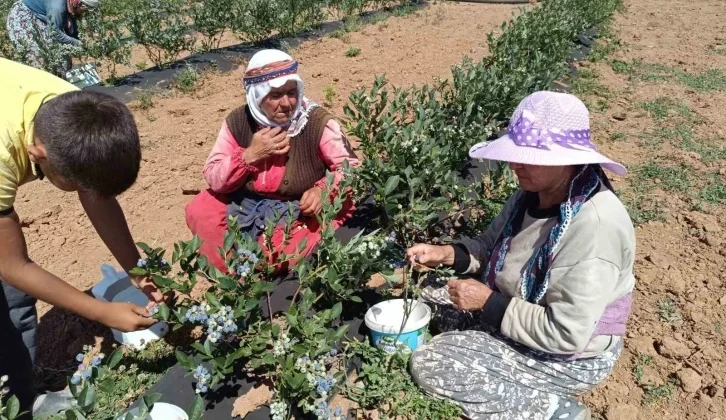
[169, 28]
[416, 139]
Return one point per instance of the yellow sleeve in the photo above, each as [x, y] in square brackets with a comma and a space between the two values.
[9, 183]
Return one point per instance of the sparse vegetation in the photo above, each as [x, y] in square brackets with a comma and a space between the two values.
[669, 312]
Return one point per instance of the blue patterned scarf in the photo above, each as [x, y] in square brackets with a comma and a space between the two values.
[536, 274]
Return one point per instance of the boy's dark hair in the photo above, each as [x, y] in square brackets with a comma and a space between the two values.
[91, 140]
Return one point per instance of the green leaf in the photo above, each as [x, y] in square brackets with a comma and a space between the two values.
[13, 407]
[197, 408]
[227, 283]
[115, 358]
[147, 250]
[87, 398]
[164, 311]
[137, 271]
[212, 300]
[74, 414]
[161, 281]
[200, 348]
[340, 332]
[228, 242]
[264, 287]
[292, 320]
[356, 299]
[151, 399]
[391, 185]
[107, 386]
[184, 360]
[336, 310]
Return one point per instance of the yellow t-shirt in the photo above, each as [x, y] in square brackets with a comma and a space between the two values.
[23, 90]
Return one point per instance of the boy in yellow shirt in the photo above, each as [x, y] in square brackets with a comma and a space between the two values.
[81, 141]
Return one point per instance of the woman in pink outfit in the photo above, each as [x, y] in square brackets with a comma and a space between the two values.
[270, 162]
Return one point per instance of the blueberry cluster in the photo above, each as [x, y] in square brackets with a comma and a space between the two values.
[197, 313]
[201, 374]
[323, 382]
[278, 410]
[283, 344]
[85, 370]
[143, 263]
[250, 259]
[220, 323]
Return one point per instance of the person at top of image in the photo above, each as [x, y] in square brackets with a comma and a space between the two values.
[83, 142]
[31, 23]
[542, 318]
[270, 163]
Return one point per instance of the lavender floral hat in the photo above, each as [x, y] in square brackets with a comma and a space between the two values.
[547, 129]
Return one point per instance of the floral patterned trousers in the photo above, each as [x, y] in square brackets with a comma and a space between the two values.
[26, 32]
[492, 378]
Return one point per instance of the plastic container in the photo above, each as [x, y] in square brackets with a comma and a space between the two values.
[83, 76]
[116, 287]
[384, 320]
[160, 411]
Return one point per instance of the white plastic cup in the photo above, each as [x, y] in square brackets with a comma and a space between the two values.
[160, 411]
[116, 287]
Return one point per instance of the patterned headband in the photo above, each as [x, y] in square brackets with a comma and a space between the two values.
[524, 133]
[270, 71]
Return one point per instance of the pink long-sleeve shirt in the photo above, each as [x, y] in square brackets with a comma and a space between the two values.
[226, 169]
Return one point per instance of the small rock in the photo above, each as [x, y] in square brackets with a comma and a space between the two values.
[642, 345]
[658, 260]
[711, 353]
[697, 316]
[714, 283]
[690, 380]
[672, 349]
[190, 188]
[676, 284]
[703, 222]
[58, 241]
[335, 79]
[722, 301]
[622, 412]
[620, 116]
[713, 240]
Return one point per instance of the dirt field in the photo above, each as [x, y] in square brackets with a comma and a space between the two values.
[665, 122]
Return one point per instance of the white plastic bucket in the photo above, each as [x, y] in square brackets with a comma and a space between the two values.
[384, 320]
[160, 411]
[116, 287]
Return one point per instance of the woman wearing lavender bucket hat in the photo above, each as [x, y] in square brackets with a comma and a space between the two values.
[541, 321]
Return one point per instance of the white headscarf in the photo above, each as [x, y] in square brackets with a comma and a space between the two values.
[258, 90]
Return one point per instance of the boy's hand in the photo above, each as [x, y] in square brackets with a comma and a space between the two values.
[311, 201]
[125, 317]
[147, 285]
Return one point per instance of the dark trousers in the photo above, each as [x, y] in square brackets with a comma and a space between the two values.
[18, 325]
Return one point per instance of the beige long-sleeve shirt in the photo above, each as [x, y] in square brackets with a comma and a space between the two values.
[591, 268]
